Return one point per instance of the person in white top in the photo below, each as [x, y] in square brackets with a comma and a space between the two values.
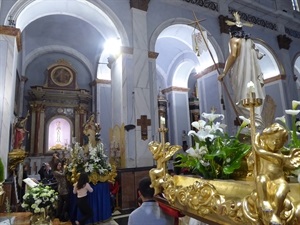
[149, 213]
[81, 188]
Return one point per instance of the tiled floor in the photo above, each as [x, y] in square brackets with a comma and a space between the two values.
[119, 217]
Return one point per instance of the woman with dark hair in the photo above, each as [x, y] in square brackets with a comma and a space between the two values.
[81, 188]
[63, 198]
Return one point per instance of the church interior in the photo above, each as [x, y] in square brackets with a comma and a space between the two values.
[125, 74]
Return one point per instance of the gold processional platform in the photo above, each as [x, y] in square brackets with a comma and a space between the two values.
[224, 202]
[266, 198]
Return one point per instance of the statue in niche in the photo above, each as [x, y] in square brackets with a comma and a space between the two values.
[91, 131]
[20, 132]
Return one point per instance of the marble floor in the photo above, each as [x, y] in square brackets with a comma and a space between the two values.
[119, 217]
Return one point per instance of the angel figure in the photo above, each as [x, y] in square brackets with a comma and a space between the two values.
[272, 187]
[161, 153]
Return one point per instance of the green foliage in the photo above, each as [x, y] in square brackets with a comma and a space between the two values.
[224, 155]
[215, 153]
[1, 171]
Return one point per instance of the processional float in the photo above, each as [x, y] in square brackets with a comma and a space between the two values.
[266, 198]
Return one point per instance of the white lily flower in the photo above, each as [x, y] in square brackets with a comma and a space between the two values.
[281, 118]
[211, 116]
[217, 126]
[204, 163]
[292, 112]
[199, 124]
[203, 134]
[192, 152]
[295, 104]
[202, 151]
[245, 121]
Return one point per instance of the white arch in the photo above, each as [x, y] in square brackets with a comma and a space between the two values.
[178, 79]
[183, 22]
[179, 30]
[58, 48]
[97, 14]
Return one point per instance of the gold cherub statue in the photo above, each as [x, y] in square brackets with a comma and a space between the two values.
[271, 185]
[161, 153]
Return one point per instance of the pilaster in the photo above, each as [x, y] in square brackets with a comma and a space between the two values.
[10, 44]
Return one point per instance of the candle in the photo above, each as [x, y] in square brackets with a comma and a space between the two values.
[250, 87]
[162, 120]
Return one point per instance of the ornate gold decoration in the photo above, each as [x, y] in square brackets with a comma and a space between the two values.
[15, 157]
[267, 199]
[61, 76]
[96, 177]
[117, 146]
[161, 153]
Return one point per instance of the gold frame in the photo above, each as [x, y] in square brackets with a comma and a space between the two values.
[66, 81]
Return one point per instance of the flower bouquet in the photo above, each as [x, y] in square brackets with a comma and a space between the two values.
[40, 199]
[215, 154]
[95, 163]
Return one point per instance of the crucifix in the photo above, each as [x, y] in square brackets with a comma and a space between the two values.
[144, 123]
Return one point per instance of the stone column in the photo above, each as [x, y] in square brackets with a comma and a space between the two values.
[103, 103]
[141, 82]
[178, 118]
[37, 136]
[10, 44]
[80, 119]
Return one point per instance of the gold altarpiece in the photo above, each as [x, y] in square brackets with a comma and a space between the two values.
[59, 97]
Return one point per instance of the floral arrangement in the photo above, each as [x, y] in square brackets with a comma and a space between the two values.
[215, 154]
[39, 199]
[95, 162]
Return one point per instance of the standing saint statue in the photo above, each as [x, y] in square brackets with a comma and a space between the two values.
[91, 129]
[20, 131]
[243, 67]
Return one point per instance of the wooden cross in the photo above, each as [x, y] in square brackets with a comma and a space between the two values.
[144, 123]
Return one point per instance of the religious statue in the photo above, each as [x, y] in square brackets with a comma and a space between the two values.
[271, 186]
[20, 131]
[242, 63]
[91, 129]
[161, 153]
